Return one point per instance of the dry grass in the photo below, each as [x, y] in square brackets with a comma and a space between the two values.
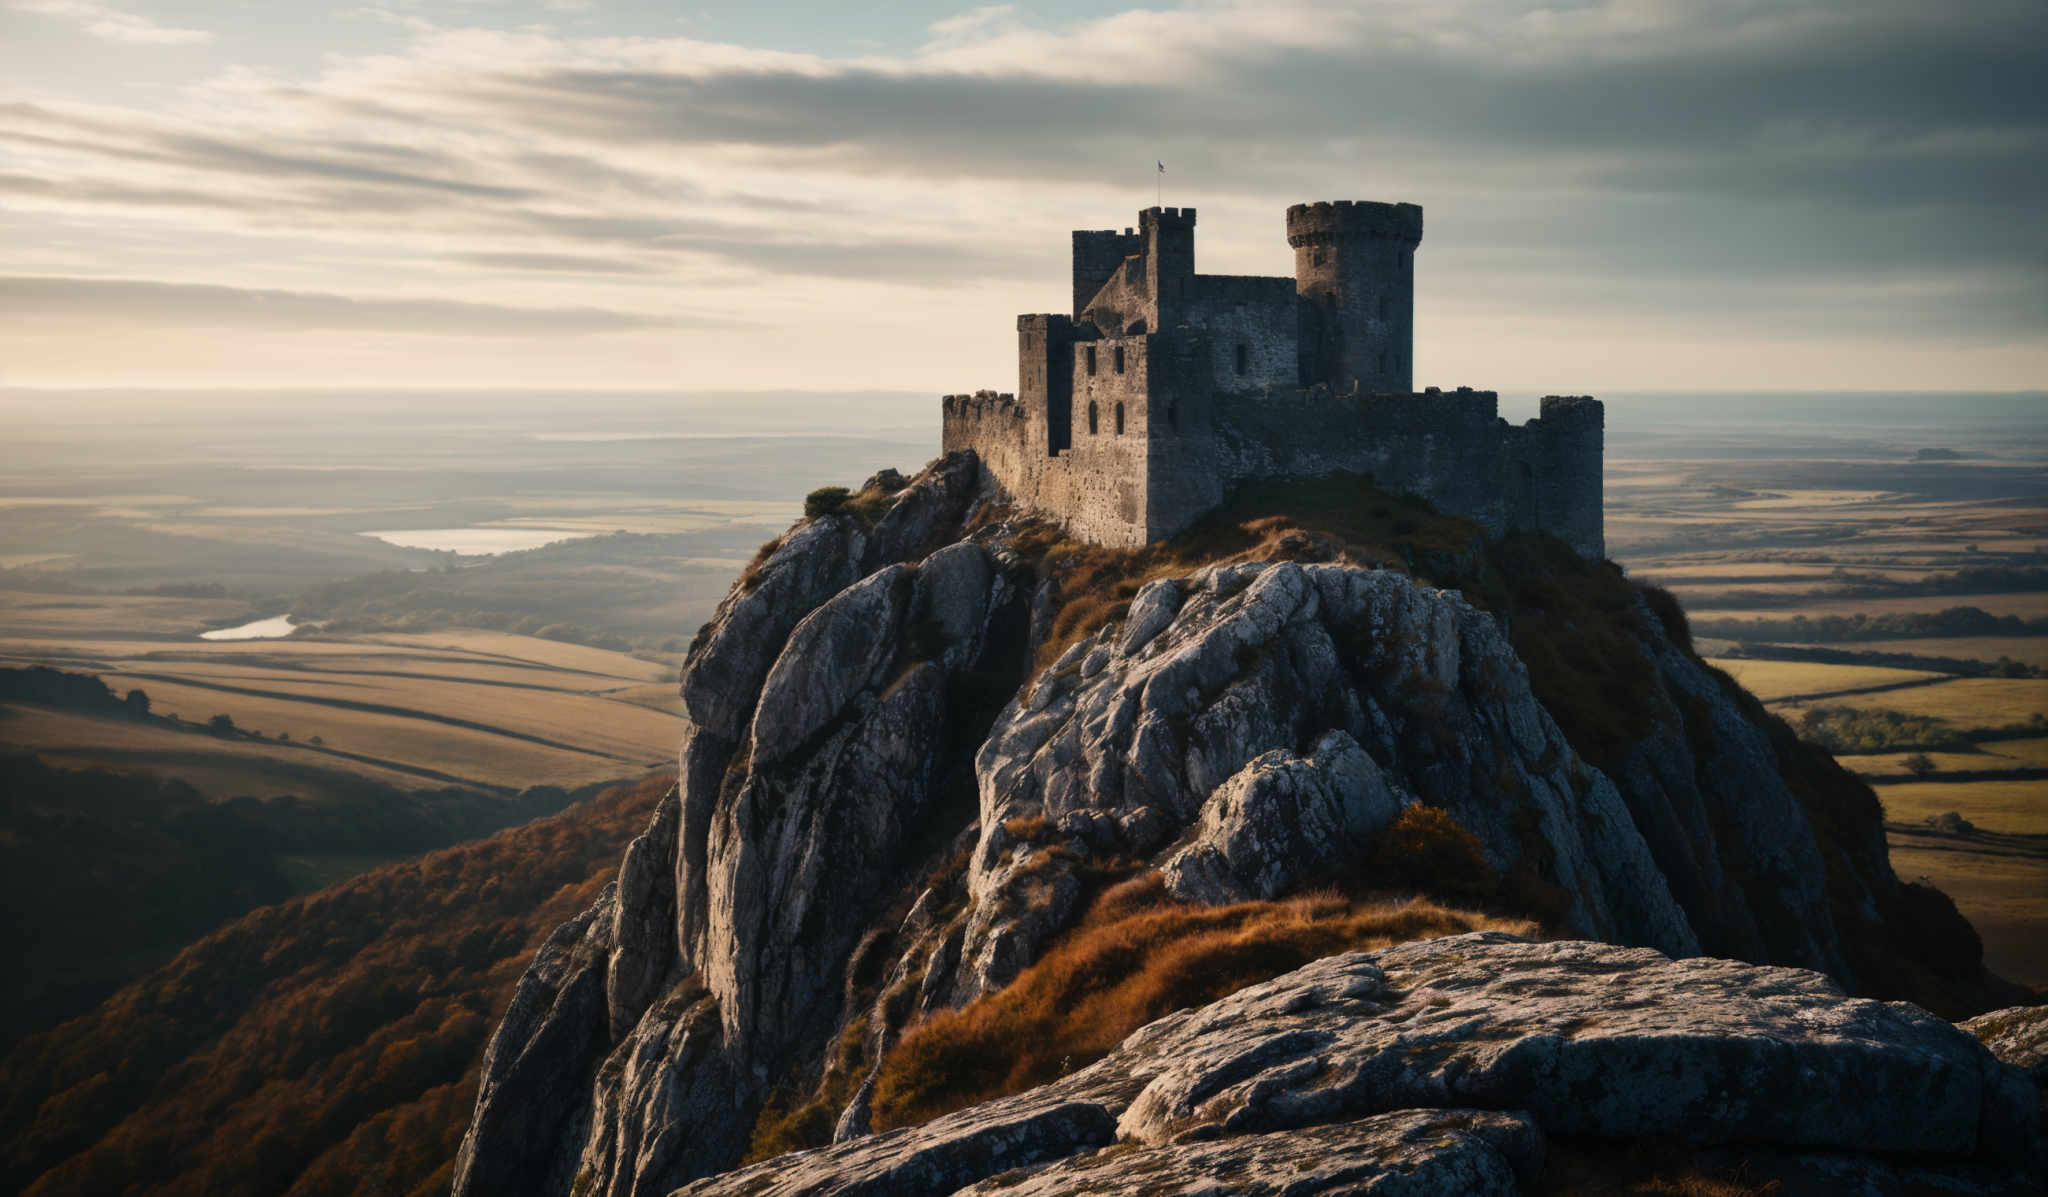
[1966, 702]
[32, 614]
[2026, 606]
[1135, 957]
[1891, 766]
[2028, 650]
[539, 711]
[1773, 680]
[2017, 754]
[2000, 883]
[2011, 807]
[222, 768]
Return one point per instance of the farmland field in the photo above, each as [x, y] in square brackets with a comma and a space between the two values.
[1966, 702]
[1759, 511]
[1775, 680]
[491, 709]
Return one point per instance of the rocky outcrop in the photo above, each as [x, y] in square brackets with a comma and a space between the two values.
[1194, 709]
[880, 815]
[821, 704]
[1445, 1066]
[2017, 1035]
[1473, 1153]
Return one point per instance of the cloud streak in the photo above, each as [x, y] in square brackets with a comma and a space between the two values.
[1613, 146]
[169, 305]
[113, 24]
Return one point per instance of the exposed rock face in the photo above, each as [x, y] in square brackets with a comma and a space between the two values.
[1194, 710]
[820, 701]
[1703, 813]
[1247, 730]
[2018, 1036]
[1442, 1067]
[1475, 1153]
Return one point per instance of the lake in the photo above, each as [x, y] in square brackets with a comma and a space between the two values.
[476, 542]
[261, 629]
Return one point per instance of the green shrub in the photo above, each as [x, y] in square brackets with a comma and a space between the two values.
[826, 500]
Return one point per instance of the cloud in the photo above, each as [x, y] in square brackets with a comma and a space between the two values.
[1657, 149]
[112, 24]
[182, 305]
[555, 263]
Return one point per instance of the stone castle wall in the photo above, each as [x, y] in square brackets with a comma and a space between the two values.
[1136, 415]
[1184, 446]
[1098, 485]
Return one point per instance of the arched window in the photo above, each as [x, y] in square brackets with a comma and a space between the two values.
[1119, 359]
[1119, 419]
[1091, 361]
[1244, 359]
[1093, 419]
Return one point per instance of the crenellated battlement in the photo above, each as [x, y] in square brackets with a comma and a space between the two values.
[1136, 413]
[1321, 223]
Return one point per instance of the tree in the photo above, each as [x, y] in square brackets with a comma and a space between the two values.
[1919, 764]
[221, 725]
[138, 704]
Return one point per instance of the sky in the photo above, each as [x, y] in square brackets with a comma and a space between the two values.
[603, 194]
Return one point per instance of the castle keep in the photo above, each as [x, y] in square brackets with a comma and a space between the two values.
[1137, 413]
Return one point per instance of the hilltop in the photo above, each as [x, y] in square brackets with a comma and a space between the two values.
[965, 806]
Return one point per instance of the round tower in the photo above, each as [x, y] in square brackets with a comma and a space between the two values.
[1354, 266]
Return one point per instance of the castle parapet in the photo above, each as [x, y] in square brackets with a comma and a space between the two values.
[1310, 224]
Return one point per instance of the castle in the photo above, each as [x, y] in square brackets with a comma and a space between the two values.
[1136, 414]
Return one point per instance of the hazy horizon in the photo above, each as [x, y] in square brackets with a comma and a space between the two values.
[1620, 195]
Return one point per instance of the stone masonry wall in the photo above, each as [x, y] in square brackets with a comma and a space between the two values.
[1166, 388]
[1260, 315]
[1184, 445]
[1555, 465]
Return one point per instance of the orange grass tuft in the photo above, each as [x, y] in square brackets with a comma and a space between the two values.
[1135, 957]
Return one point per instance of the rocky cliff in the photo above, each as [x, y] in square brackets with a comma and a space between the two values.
[928, 744]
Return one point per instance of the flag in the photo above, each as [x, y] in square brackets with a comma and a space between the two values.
[1162, 167]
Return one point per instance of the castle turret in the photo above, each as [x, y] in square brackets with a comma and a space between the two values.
[1354, 266]
[1169, 235]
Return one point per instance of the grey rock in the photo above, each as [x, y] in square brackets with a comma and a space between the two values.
[940, 1157]
[1414, 1153]
[2017, 1035]
[536, 1068]
[1593, 1040]
[1281, 819]
[1427, 691]
[641, 1040]
[665, 1104]
[643, 920]
[1152, 608]
[723, 673]
[1444, 1066]
[1728, 834]
[832, 655]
